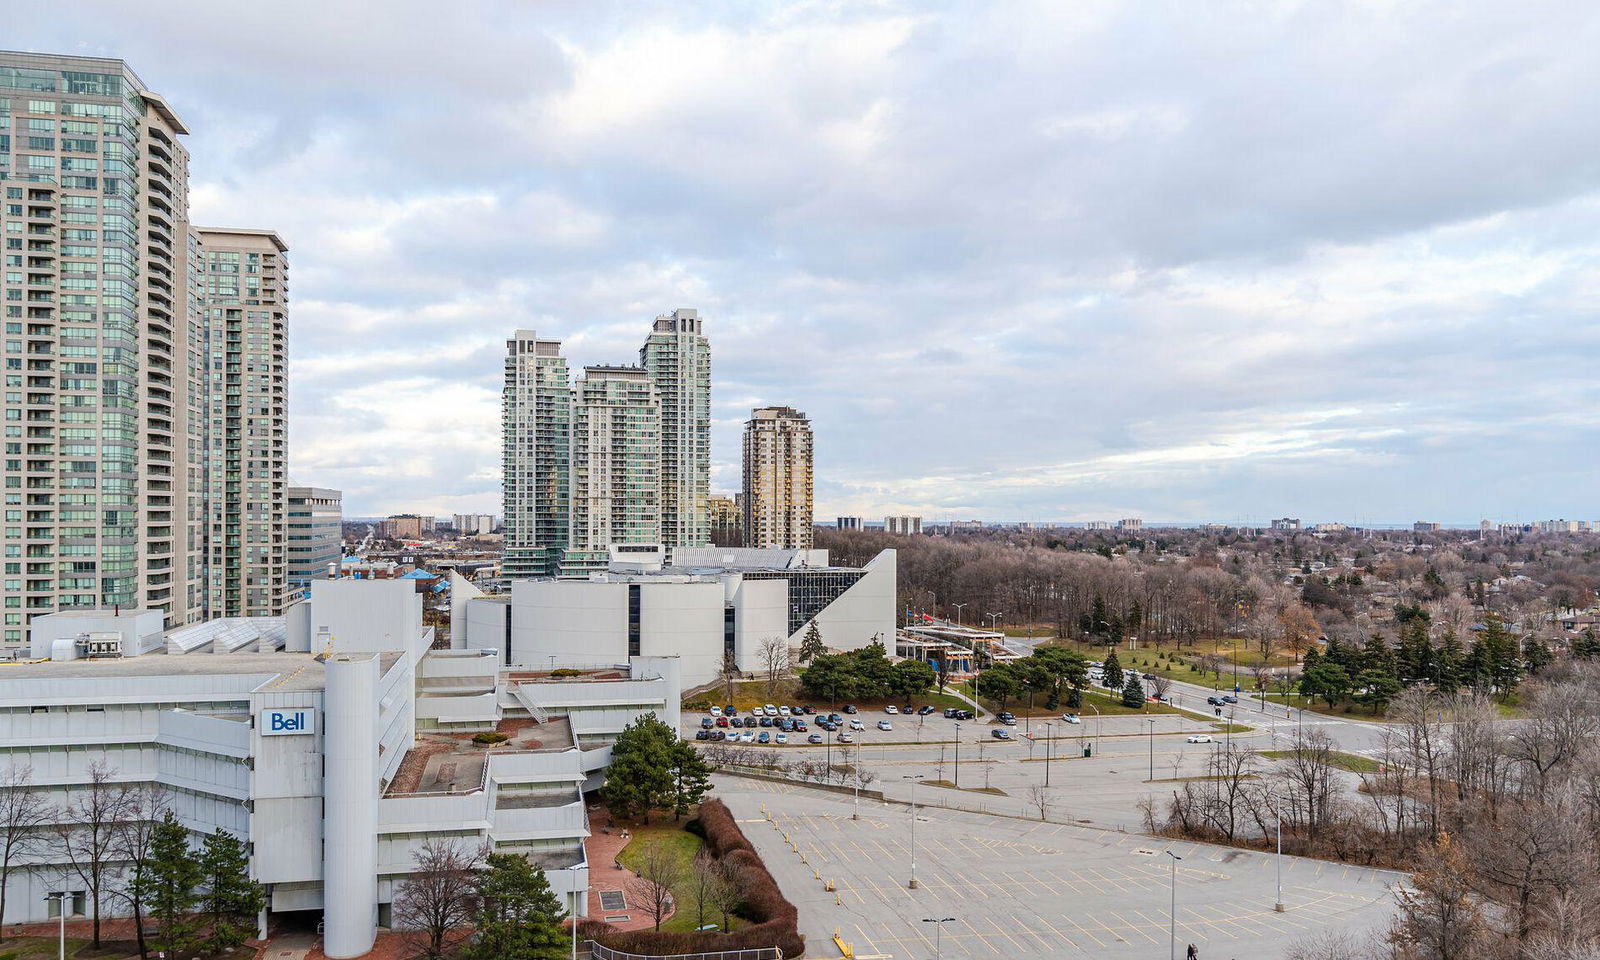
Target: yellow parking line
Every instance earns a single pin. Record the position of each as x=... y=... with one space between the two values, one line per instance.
x=981 y=938
x=1136 y=928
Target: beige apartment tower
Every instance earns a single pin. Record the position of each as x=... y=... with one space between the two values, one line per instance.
x=245 y=296
x=777 y=478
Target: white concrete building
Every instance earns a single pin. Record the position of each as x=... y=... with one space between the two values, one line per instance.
x=706 y=604
x=332 y=739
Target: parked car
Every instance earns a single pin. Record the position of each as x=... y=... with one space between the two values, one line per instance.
x=717 y=736
x=766 y=721
x=781 y=738
x=814 y=738
x=716 y=711
x=891 y=709
x=722 y=721
x=747 y=737
x=783 y=710
x=764 y=738
x=1200 y=738
x=706 y=723
x=1008 y=720
x=1070 y=718
x=856 y=724
x=885 y=725
x=1148 y=676
x=925 y=710
x=702 y=734
x=1229 y=698
x=784 y=723
x=999 y=733
x=808 y=709
x=730 y=711
x=845 y=737
x=772 y=711
x=963 y=715
x=950 y=712
x=799 y=726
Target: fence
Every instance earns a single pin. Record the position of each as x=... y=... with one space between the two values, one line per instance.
x=601 y=952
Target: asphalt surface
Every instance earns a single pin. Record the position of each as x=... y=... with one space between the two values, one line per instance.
x=1018 y=888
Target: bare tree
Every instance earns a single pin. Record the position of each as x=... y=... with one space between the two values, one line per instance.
x=87 y=827
x=440 y=895
x=1039 y=799
x=660 y=870
x=774 y=652
x=724 y=894
x=23 y=812
x=1159 y=685
x=131 y=844
x=728 y=673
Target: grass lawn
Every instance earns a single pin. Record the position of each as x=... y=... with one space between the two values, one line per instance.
x=1344 y=761
x=1109 y=705
x=949 y=785
x=684 y=845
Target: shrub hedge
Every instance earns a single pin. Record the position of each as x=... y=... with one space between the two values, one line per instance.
x=774 y=921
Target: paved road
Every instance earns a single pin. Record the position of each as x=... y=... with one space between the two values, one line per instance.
x=1027 y=889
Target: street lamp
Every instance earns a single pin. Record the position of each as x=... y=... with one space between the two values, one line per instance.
x=938 y=928
x=573 y=876
x=1152 y=722
x=1048 y=740
x=1172 y=911
x=61 y=897
x=958 y=756
x=1278 y=809
x=958 y=607
x=994 y=619
x=914 y=778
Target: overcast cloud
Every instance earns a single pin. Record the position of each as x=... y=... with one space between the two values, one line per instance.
x=1181 y=261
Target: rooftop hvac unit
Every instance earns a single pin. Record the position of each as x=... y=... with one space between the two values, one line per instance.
x=99 y=644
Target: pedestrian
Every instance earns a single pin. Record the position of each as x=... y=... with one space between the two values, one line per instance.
x=1193 y=954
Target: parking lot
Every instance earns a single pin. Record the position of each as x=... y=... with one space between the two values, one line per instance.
x=1019 y=888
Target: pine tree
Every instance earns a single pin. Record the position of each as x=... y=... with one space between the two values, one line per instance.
x=1132 y=691
x=1535 y=654
x=1447 y=663
x=811 y=644
x=167 y=887
x=1586 y=646
x=1113 y=670
x=519 y=917
x=232 y=900
x=640 y=777
x=1416 y=652
x=691 y=778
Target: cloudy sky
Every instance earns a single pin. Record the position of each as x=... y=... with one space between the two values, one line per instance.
x=1184 y=261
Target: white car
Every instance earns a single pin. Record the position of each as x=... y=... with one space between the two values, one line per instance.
x=891 y=709
x=783 y=710
x=1070 y=718
x=856 y=724
x=781 y=738
x=716 y=711
x=749 y=736
x=772 y=711
x=1201 y=738
x=845 y=737
x=885 y=725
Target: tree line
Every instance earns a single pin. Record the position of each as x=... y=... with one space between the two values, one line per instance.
x=124 y=843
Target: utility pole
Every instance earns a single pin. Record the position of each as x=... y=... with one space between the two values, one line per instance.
x=1048 y=741
x=1152 y=722
x=958 y=756
x=913 y=778
x=1278 y=808
x=938 y=928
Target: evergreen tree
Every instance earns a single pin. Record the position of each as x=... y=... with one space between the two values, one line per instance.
x=811 y=644
x=232 y=900
x=1113 y=670
x=1447 y=676
x=1416 y=656
x=1535 y=654
x=1376 y=689
x=1135 y=617
x=1097 y=615
x=1132 y=691
x=519 y=917
x=691 y=777
x=1502 y=656
x=640 y=776
x=167 y=887
x=1586 y=646
x=1325 y=681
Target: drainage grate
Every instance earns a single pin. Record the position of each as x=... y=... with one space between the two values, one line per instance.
x=612 y=900
x=619 y=918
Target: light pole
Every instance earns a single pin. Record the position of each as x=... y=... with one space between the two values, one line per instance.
x=573 y=876
x=1097 y=743
x=1278 y=809
x=1048 y=740
x=913 y=778
x=61 y=898
x=1172 y=911
x=938 y=928
x=1152 y=722
x=856 y=813
x=958 y=756
x=958 y=607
